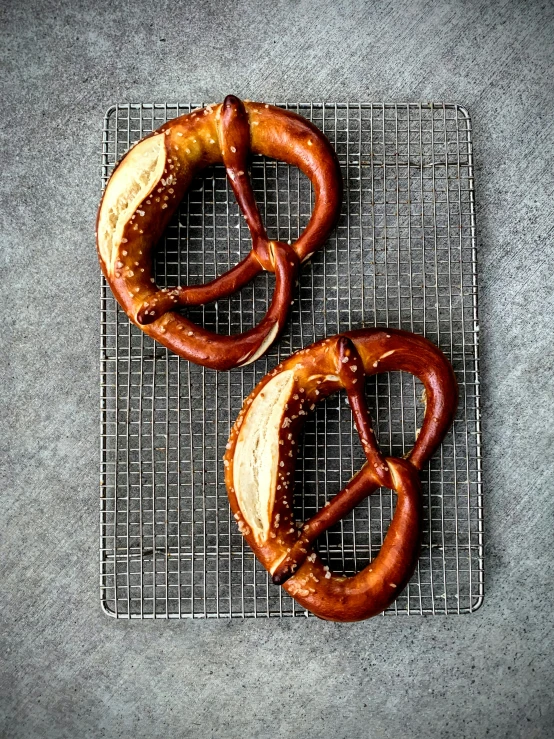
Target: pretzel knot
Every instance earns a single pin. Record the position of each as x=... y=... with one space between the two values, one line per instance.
x=260 y=462
x=146 y=188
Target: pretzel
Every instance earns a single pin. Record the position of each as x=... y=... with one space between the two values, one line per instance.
x=146 y=188
x=260 y=462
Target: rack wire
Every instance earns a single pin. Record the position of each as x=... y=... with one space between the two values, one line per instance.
x=403 y=255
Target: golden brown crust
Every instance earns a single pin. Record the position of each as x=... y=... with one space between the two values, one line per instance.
x=262 y=491
x=145 y=190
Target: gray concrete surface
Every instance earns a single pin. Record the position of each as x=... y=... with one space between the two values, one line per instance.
x=69 y=671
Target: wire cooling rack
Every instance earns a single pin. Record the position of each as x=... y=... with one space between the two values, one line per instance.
x=403 y=255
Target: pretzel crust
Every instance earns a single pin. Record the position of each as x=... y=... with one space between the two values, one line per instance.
x=260 y=462
x=146 y=188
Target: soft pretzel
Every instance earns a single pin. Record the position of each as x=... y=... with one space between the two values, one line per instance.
x=260 y=463
x=145 y=190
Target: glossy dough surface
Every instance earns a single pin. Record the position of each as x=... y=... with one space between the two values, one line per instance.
x=261 y=455
x=146 y=188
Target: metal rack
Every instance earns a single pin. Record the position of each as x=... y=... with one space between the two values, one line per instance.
x=403 y=255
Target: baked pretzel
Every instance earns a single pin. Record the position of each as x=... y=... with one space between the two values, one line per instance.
x=260 y=462
x=146 y=188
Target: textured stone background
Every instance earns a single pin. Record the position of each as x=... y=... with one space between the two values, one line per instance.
x=69 y=671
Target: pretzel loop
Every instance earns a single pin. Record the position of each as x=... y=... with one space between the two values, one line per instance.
x=146 y=188
x=260 y=458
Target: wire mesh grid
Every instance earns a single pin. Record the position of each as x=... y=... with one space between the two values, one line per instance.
x=403 y=255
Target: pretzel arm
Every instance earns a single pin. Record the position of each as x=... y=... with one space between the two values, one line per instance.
x=234 y=134
x=340 y=598
x=181 y=297
x=352 y=375
x=360 y=486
